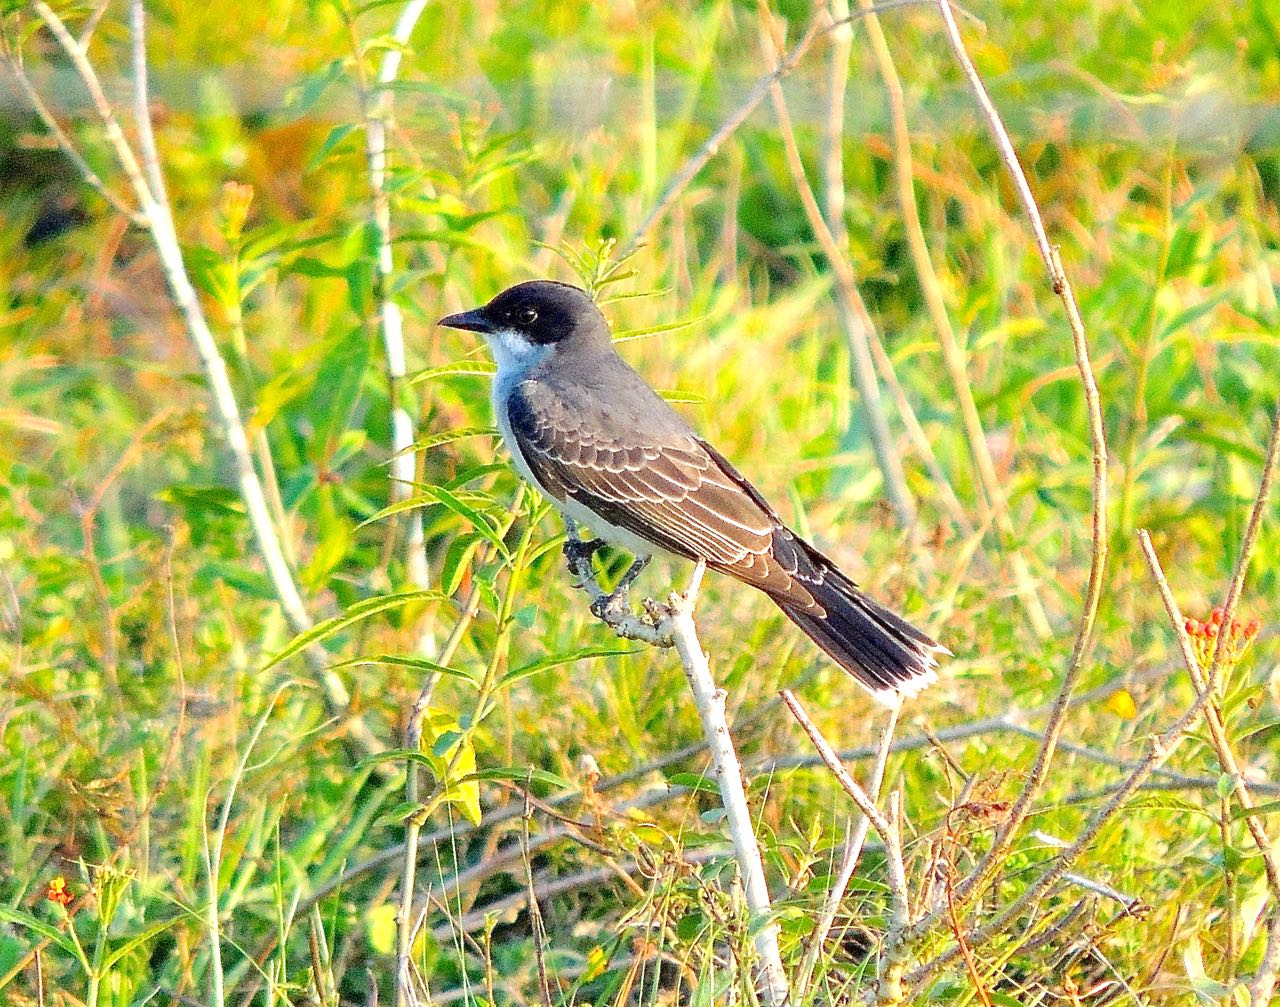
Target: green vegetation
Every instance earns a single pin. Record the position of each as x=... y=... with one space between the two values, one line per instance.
x=191 y=812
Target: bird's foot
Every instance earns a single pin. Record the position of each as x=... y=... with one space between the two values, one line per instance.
x=579 y=551
x=614 y=607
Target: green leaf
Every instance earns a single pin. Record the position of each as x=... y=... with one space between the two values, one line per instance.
x=445 y=742
x=211 y=272
x=141 y=937
x=398 y=755
x=299 y=101
x=1193 y=313
x=518 y=774
x=1269 y=808
x=335 y=137
x=484 y=367
x=413 y=663
x=694 y=781
x=457 y=561
x=449 y=436
x=359 y=611
x=556 y=660
x=46 y=930
x=627 y=335
x=439 y=495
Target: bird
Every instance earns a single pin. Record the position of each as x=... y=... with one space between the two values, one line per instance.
x=590 y=434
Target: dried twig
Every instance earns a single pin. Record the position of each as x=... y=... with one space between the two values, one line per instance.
x=889 y=979
x=1097 y=436
x=854 y=844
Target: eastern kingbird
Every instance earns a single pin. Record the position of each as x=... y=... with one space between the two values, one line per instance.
x=597 y=441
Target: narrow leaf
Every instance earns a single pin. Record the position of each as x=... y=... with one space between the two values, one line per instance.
x=556 y=660
x=357 y=612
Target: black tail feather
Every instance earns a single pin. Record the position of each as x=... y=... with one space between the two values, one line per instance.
x=883 y=651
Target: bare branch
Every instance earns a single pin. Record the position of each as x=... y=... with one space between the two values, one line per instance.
x=672 y=625
x=889 y=981
x=854 y=843
x=1097 y=436
x=953 y=356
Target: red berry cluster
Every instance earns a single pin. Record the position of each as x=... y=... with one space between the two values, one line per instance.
x=1236 y=637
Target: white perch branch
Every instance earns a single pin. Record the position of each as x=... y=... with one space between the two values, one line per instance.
x=672 y=625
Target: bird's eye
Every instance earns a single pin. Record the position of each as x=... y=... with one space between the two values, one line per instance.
x=527 y=316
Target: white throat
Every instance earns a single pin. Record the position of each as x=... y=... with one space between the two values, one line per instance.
x=514 y=355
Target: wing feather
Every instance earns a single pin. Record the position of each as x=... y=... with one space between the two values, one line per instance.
x=670 y=490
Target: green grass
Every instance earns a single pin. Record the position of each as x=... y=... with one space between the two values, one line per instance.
x=137 y=624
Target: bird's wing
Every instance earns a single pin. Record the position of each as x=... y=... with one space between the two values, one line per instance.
x=665 y=486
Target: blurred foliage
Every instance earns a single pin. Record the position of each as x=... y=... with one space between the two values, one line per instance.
x=136 y=622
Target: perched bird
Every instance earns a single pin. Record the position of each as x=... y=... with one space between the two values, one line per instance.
x=593 y=438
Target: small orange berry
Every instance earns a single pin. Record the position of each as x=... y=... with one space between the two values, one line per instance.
x=1251 y=630
x=1191 y=626
x=58 y=891
x=1215 y=616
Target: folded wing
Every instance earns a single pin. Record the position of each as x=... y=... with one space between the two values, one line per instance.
x=669 y=488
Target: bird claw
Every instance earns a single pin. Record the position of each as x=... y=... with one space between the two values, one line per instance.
x=612 y=608
x=578 y=551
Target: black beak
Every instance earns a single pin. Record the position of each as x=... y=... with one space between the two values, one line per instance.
x=473 y=321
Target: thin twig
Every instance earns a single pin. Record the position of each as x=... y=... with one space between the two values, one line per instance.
x=889 y=980
x=849 y=861
x=535 y=914
x=1097 y=436
x=953 y=356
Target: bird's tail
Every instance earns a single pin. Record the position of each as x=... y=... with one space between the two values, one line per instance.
x=884 y=652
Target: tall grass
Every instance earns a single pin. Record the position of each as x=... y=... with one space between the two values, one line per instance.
x=223 y=840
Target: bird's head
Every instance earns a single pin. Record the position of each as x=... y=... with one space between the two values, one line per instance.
x=531 y=318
